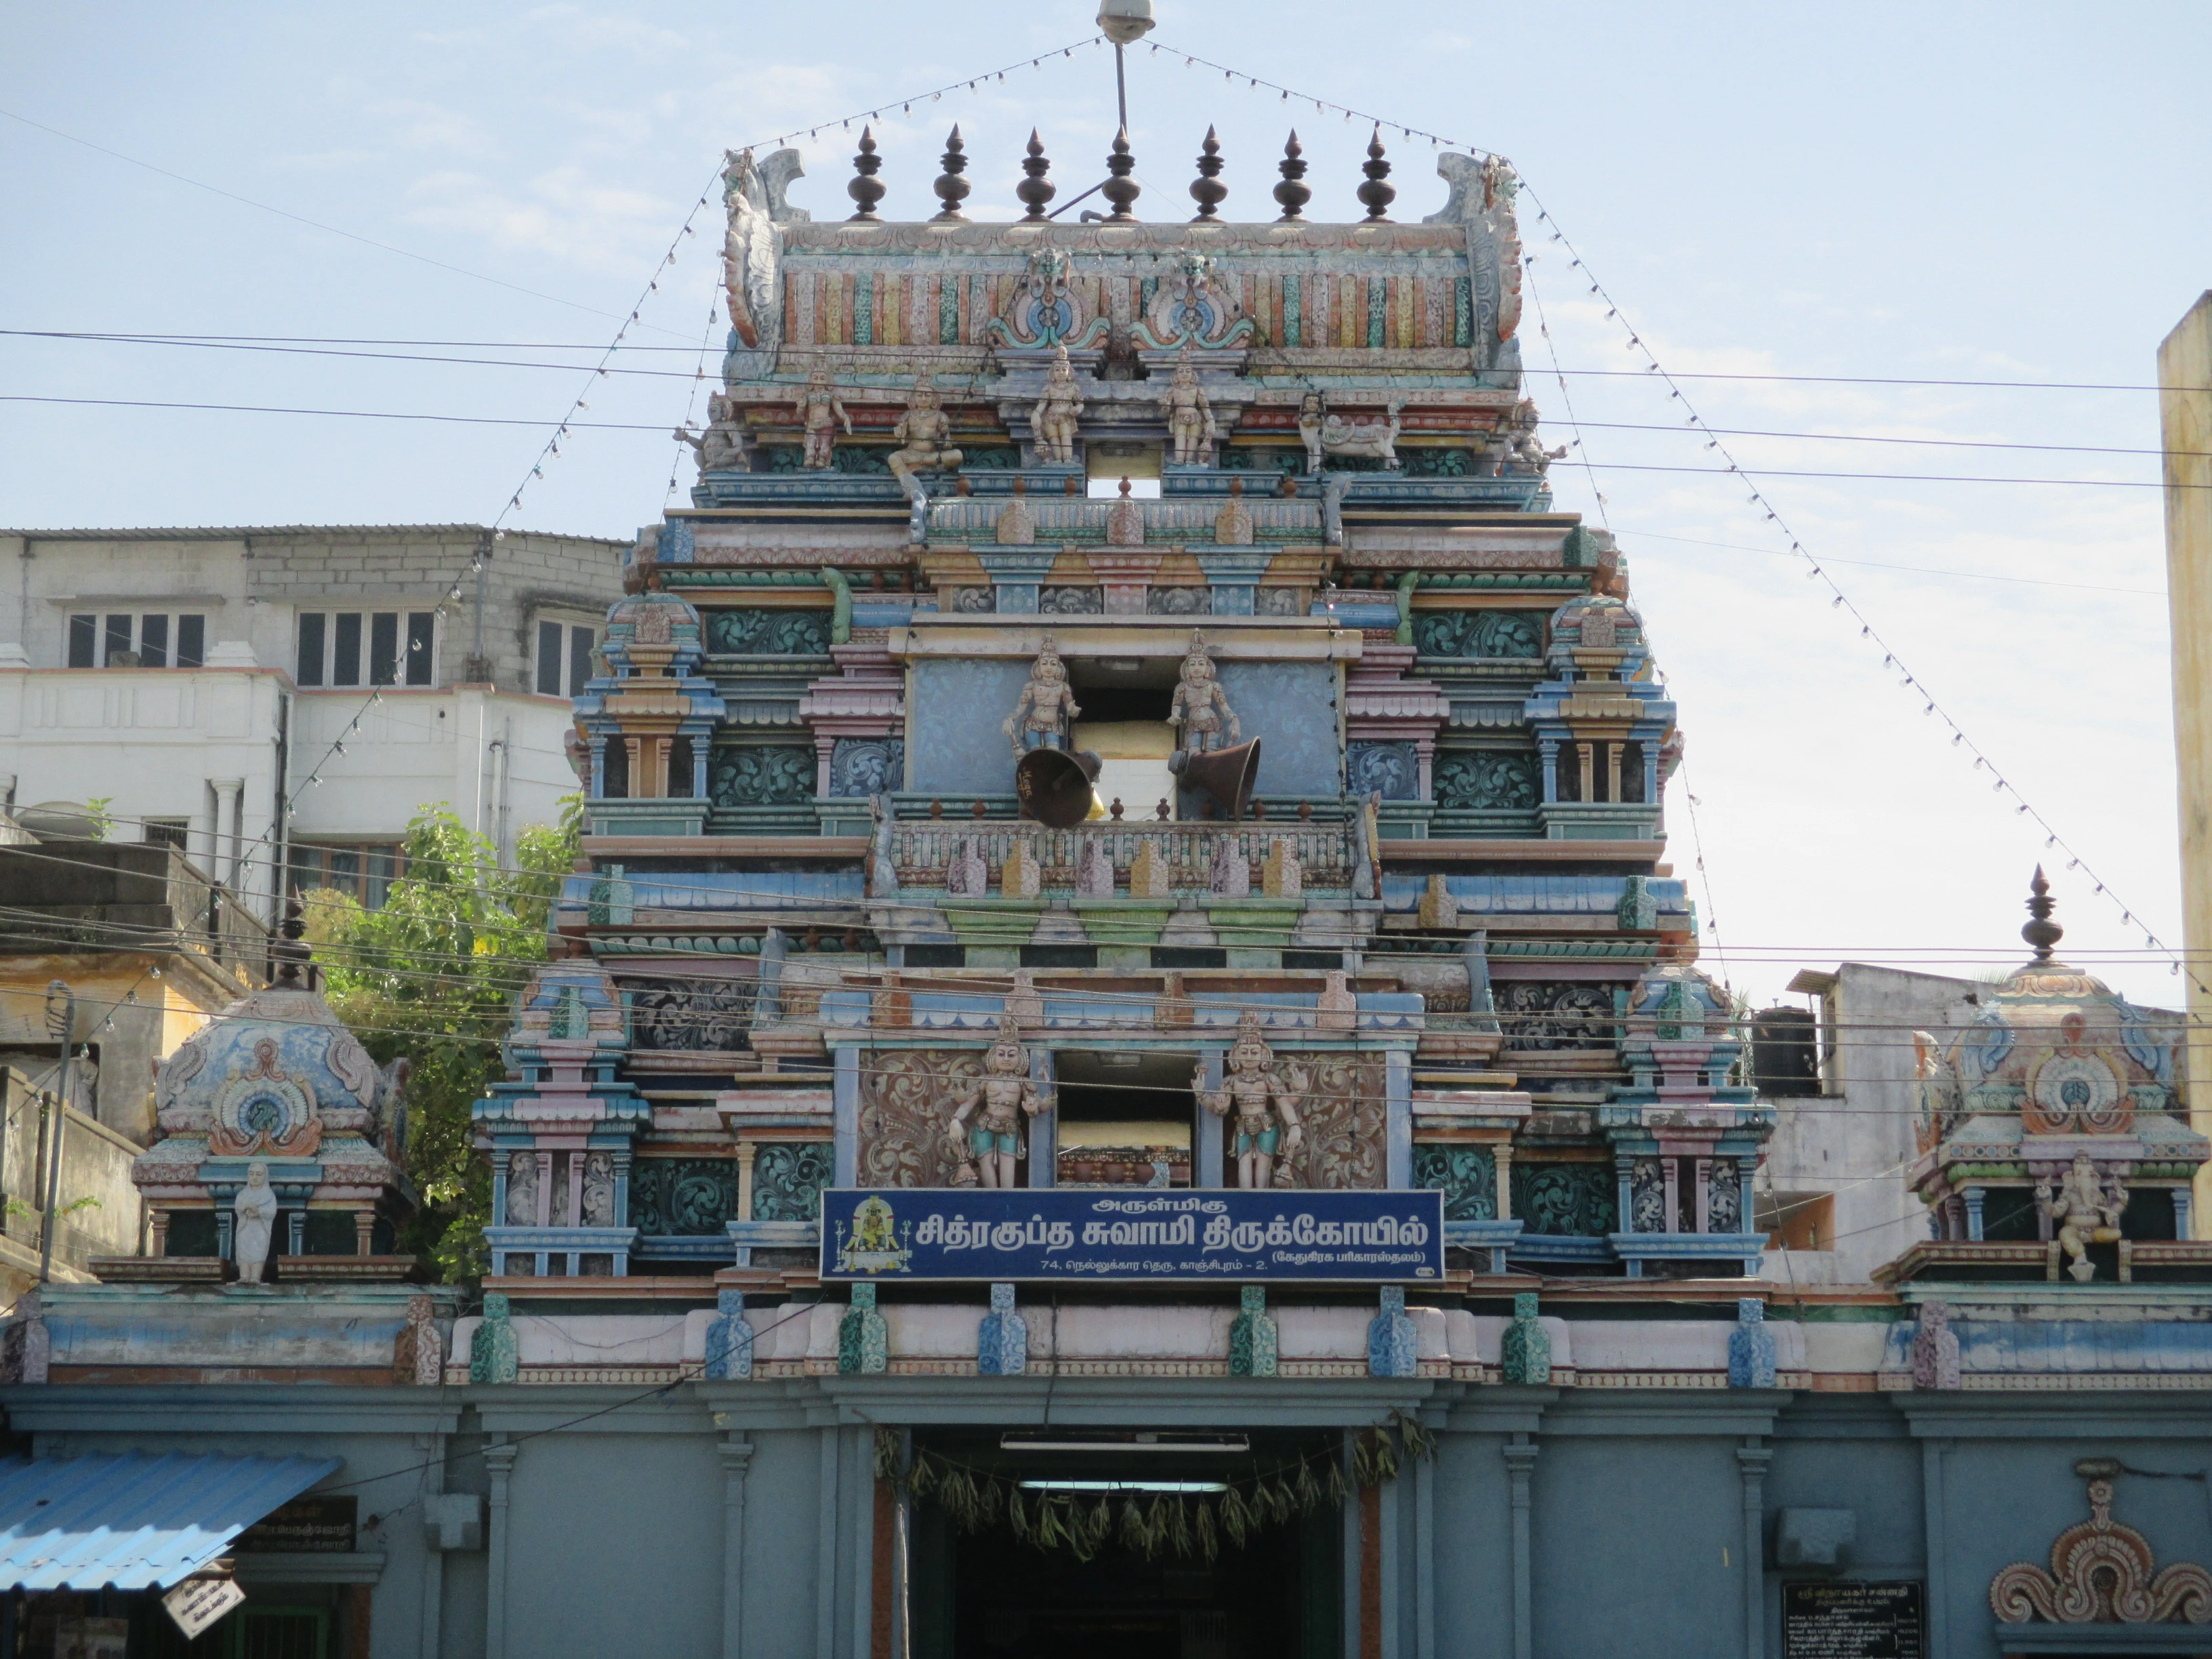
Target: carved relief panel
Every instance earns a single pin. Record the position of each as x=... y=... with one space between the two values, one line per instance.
x=906 y=1098
x=1343 y=1111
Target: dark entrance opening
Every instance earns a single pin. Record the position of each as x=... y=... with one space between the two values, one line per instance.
x=1126 y=1118
x=987 y=1595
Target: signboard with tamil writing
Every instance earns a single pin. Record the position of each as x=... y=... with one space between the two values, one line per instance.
x=898 y=1233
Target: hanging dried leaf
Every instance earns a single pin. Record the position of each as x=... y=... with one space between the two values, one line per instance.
x=1209 y=1541
x=1418 y=1442
x=1235 y=1519
x=887 y=1454
x=1018 y=1517
x=924 y=1479
x=1363 y=1461
x=1334 y=1479
x=1179 y=1533
x=995 y=1498
x=1133 y=1526
x=1386 y=1458
x=1308 y=1489
x=1102 y=1524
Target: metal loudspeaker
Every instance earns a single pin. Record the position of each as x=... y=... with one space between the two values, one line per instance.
x=1224 y=774
x=1054 y=786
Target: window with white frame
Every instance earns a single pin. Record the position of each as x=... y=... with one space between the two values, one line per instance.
x=367 y=648
x=564 y=657
x=136 y=638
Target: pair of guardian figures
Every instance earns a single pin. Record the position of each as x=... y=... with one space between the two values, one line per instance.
x=1046 y=708
x=989 y=1114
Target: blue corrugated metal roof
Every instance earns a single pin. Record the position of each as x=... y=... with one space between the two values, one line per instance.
x=134 y=1522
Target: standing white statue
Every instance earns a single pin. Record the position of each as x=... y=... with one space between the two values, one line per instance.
x=253 y=1224
x=1053 y=417
x=1190 y=416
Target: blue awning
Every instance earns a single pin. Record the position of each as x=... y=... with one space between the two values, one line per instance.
x=132 y=1521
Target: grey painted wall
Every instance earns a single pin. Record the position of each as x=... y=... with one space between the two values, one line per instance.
x=1291 y=708
x=959 y=712
x=615 y=1535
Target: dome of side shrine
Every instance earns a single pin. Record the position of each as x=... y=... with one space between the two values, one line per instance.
x=2060 y=1048
x=276 y=1073
x=648 y=632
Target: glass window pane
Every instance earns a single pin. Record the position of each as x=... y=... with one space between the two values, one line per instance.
x=345 y=648
x=422 y=639
x=549 y=659
x=345 y=870
x=310 y=672
x=84 y=633
x=118 y=639
x=384 y=649
x=381 y=863
x=580 y=660
x=152 y=640
x=191 y=640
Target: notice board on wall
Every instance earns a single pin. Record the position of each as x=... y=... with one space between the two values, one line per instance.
x=1849 y=1620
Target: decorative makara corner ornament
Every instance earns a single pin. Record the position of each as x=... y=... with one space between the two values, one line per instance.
x=1058 y=409
x=990 y=1148
x=1325 y=434
x=924 y=434
x=2102 y=1573
x=1045 y=709
x=1200 y=710
x=1263 y=1111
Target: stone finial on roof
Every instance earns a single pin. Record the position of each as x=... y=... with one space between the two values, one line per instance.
x=2041 y=933
x=291 y=962
x=866 y=189
x=1375 y=194
x=1119 y=188
x=1207 y=190
x=1291 y=192
x=951 y=189
x=1035 y=189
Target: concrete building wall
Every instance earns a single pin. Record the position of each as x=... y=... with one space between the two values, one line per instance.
x=2184 y=378
x=226 y=748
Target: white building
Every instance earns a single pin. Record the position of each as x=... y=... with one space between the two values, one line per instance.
x=189 y=683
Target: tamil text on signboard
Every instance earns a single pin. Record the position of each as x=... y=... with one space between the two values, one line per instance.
x=1078 y=1233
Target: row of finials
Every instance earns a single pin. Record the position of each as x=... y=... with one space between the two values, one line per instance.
x=1120 y=189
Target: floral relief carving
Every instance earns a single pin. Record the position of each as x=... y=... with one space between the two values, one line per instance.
x=1572 y=1200
x=775 y=776
x=768 y=632
x=2102 y=1573
x=1547 y=1014
x=1466 y=1176
x=690 y=1015
x=904 y=1099
x=789 y=1177
x=1342 y=1113
x=682 y=1197
x=1478 y=633
x=1486 y=779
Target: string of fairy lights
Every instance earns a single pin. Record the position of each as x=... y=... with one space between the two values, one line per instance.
x=1909 y=680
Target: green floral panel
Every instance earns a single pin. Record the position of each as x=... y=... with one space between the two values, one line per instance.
x=693 y=1197
x=768 y=632
x=1480 y=632
x=1574 y=1200
x=777 y=776
x=1486 y=780
x=787 y=1180
x=1466 y=1176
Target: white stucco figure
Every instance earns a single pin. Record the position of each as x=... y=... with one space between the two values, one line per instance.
x=253 y=1213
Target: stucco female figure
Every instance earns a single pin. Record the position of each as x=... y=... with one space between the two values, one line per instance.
x=990 y=1147
x=1053 y=419
x=253 y=1224
x=1263 y=1112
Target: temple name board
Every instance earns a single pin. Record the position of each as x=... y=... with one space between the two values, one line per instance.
x=1131 y=1233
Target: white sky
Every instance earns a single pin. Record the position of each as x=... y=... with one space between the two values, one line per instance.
x=2004 y=192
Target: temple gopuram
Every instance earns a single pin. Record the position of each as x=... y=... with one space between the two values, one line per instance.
x=1125 y=1069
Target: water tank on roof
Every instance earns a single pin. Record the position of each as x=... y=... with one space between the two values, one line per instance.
x=1785 y=1053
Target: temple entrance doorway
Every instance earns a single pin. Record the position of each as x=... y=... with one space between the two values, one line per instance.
x=988 y=1595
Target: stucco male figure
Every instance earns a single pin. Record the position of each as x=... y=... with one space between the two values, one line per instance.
x=721 y=446
x=924 y=438
x=986 y=1126
x=1046 y=707
x=1058 y=410
x=253 y=1224
x=1191 y=431
x=2088 y=1211
x=822 y=416
x=1200 y=710
x=1262 y=1111
x=1525 y=453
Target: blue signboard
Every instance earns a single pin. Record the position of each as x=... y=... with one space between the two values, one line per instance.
x=894 y=1233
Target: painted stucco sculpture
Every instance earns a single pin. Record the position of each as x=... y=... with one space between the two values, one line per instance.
x=1261 y=1108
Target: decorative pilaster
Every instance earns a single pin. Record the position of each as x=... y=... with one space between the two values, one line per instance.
x=1525 y=1350
x=1752 y=1458
x=736 y=1456
x=1520 y=1463
x=729 y=1339
x=1253 y=1341
x=1002 y=1340
x=499 y=1463
x=1392 y=1350
x=493 y=1356
x=1750 y=1346
x=864 y=1341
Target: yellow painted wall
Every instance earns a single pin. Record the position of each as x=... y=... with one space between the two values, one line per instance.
x=2184 y=378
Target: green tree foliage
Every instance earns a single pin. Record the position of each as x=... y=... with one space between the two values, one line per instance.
x=433 y=974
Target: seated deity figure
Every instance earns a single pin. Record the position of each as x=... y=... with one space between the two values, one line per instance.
x=925 y=436
x=1524 y=453
x=1200 y=710
x=1190 y=417
x=1046 y=707
x=823 y=417
x=721 y=446
x=989 y=1147
x=1053 y=417
x=1263 y=1112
